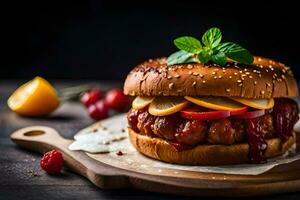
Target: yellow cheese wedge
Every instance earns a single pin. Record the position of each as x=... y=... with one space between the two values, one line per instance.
x=162 y=106
x=215 y=103
x=141 y=102
x=256 y=103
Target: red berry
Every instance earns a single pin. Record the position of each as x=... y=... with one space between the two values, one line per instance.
x=116 y=99
x=91 y=97
x=52 y=162
x=98 y=110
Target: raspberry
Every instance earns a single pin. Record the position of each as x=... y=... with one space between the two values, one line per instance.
x=52 y=162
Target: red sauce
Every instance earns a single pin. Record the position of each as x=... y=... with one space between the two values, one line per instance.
x=285 y=115
x=257 y=144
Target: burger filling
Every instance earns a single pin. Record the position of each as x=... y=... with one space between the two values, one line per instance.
x=184 y=132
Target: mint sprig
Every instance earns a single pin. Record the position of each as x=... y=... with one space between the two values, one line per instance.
x=211 y=49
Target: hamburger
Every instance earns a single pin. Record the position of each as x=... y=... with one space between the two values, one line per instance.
x=208 y=113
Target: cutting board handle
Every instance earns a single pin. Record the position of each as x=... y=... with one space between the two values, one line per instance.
x=43 y=139
x=39 y=138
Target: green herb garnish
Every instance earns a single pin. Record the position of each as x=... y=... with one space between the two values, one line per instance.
x=211 y=49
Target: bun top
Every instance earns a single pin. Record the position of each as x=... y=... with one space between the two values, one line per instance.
x=265 y=78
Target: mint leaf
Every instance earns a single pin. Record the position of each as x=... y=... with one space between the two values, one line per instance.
x=219 y=58
x=179 y=57
x=212 y=37
x=189 y=44
x=191 y=50
x=204 y=56
x=236 y=52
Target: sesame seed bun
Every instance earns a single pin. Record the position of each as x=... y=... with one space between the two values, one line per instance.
x=265 y=78
x=204 y=154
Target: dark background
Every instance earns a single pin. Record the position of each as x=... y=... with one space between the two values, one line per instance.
x=92 y=39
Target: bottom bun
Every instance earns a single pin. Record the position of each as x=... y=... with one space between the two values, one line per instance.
x=204 y=154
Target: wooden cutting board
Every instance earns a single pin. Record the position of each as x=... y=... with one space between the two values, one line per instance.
x=281 y=179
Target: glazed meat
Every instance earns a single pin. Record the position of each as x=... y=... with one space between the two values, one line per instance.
x=145 y=123
x=221 y=132
x=191 y=132
x=132 y=118
x=239 y=127
x=165 y=127
x=266 y=126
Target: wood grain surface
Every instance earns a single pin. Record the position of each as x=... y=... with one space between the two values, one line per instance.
x=283 y=178
x=21 y=177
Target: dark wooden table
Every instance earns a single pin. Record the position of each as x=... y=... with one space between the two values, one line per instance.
x=20 y=174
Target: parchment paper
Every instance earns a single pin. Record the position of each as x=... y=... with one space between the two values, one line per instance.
x=92 y=141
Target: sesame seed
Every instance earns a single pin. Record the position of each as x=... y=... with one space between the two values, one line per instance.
x=241 y=71
x=254 y=70
x=245 y=69
x=267 y=70
x=195 y=74
x=230 y=76
x=150 y=60
x=177 y=76
x=250 y=76
x=179 y=90
x=247 y=73
x=227 y=90
x=169 y=77
x=262 y=92
x=220 y=77
x=283 y=70
x=213 y=72
x=259 y=59
x=171 y=85
x=194 y=83
x=268 y=84
x=203 y=81
x=261 y=66
x=259 y=75
x=255 y=82
x=240 y=85
x=283 y=76
x=201 y=75
x=239 y=81
x=190 y=72
x=223 y=68
x=189 y=66
x=215 y=77
x=235 y=73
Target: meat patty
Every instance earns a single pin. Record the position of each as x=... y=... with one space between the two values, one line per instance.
x=266 y=126
x=221 y=132
x=132 y=118
x=191 y=132
x=165 y=127
x=145 y=123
